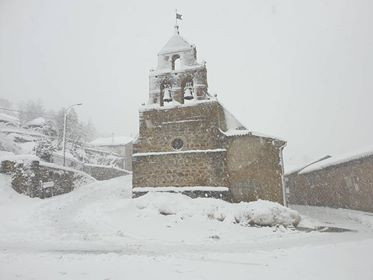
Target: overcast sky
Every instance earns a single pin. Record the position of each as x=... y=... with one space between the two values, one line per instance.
x=298 y=70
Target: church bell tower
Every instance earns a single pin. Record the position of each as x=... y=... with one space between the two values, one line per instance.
x=178 y=76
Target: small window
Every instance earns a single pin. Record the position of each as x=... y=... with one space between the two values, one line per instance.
x=177 y=144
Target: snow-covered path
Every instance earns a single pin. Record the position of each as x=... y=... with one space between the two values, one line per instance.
x=98 y=232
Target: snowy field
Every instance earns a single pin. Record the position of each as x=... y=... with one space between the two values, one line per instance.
x=99 y=232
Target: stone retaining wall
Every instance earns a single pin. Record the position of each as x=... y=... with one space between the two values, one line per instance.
x=104 y=172
x=37 y=180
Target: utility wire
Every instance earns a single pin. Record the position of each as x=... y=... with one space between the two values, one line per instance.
x=20 y=111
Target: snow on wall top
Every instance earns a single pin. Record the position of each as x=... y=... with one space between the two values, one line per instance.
x=22 y=131
x=60 y=167
x=112 y=141
x=40 y=121
x=180 y=189
x=241 y=132
x=18 y=158
x=7 y=118
x=234 y=126
x=174 y=104
x=339 y=159
x=175 y=44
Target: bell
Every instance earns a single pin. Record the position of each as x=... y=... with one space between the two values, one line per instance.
x=167 y=95
x=188 y=95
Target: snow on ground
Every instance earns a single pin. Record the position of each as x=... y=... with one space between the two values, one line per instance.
x=99 y=232
x=324 y=216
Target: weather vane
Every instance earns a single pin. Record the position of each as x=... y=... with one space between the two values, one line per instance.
x=178 y=16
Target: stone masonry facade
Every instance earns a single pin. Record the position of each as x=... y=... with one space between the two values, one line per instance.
x=200 y=162
x=248 y=165
x=345 y=185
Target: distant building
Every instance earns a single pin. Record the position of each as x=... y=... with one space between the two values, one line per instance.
x=188 y=142
x=40 y=124
x=344 y=181
x=118 y=145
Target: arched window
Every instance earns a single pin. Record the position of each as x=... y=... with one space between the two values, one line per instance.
x=176 y=63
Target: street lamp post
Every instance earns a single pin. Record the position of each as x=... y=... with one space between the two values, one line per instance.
x=65 y=113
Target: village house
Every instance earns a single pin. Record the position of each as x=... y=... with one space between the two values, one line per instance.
x=189 y=143
x=120 y=146
x=344 y=181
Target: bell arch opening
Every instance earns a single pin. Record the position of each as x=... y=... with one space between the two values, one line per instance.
x=166 y=95
x=176 y=62
x=187 y=88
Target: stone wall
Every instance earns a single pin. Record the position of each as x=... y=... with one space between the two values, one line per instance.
x=128 y=156
x=255 y=168
x=180 y=169
x=34 y=179
x=198 y=128
x=346 y=185
x=102 y=172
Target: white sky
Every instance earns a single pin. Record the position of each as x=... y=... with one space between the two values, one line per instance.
x=300 y=70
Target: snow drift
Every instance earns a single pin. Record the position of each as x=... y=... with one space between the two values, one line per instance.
x=259 y=213
x=104 y=212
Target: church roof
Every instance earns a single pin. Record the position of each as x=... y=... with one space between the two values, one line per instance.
x=175 y=44
x=111 y=141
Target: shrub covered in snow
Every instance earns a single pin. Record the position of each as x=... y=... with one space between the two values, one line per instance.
x=7 y=144
x=256 y=213
x=45 y=149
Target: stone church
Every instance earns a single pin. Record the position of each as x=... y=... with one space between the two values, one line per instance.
x=189 y=143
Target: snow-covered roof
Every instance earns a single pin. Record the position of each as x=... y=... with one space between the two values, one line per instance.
x=231 y=121
x=175 y=44
x=22 y=131
x=236 y=128
x=112 y=141
x=40 y=121
x=241 y=132
x=339 y=159
x=8 y=118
